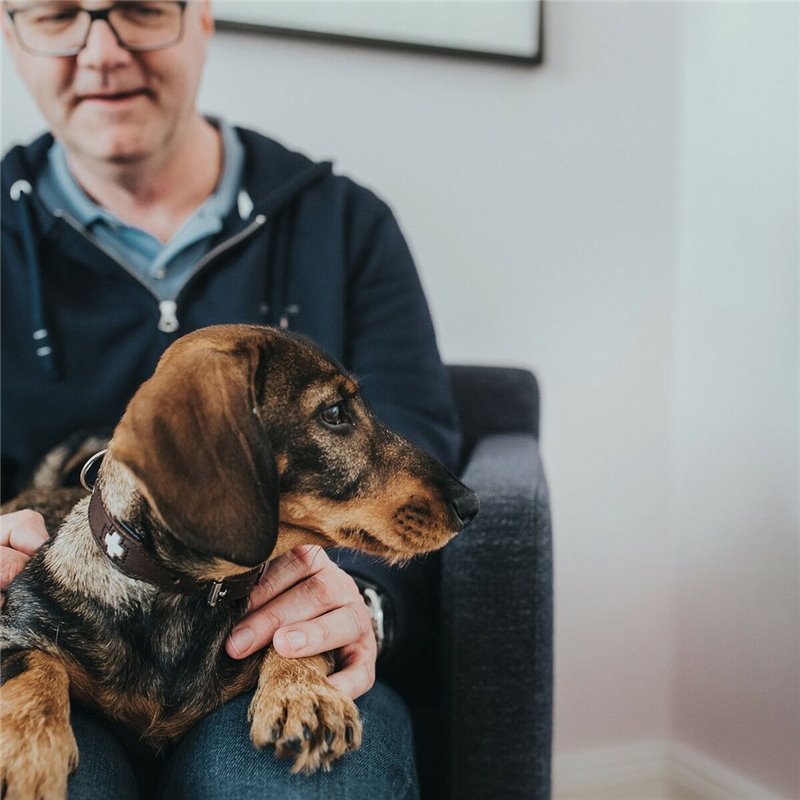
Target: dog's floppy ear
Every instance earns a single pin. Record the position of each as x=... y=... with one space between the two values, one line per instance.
x=199 y=452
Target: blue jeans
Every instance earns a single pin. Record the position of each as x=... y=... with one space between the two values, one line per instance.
x=217 y=761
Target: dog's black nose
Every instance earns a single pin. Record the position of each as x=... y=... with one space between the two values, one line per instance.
x=465 y=505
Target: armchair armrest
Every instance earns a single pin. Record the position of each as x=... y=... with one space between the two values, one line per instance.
x=497 y=618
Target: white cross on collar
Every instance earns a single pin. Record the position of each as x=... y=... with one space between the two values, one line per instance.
x=114 y=545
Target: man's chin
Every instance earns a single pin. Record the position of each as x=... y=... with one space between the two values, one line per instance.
x=117 y=156
x=125 y=158
x=118 y=150
x=101 y=134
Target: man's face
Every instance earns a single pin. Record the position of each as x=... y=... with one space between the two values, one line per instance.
x=109 y=104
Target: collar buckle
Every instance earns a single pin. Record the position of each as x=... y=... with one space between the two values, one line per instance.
x=217 y=591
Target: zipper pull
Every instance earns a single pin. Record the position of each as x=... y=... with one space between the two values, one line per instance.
x=169 y=321
x=288 y=312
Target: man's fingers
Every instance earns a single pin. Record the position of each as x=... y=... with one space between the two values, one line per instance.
x=338 y=628
x=285 y=571
x=357 y=676
x=318 y=594
x=11 y=564
x=23 y=530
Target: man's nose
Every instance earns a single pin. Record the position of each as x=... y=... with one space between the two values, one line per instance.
x=102 y=49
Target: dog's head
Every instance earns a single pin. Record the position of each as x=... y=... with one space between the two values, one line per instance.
x=245 y=434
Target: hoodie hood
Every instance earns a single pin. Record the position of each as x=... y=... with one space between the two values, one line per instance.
x=273 y=182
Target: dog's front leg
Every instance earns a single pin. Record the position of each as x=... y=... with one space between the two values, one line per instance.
x=304 y=716
x=37 y=747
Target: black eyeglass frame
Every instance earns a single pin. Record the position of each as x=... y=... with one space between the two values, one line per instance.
x=101 y=14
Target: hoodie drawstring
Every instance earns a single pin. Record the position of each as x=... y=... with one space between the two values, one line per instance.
x=20 y=193
x=279 y=291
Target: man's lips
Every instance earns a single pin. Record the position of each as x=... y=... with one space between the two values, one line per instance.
x=113 y=97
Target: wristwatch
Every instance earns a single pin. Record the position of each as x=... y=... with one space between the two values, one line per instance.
x=378 y=605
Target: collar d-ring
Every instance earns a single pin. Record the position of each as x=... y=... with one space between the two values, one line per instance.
x=87 y=466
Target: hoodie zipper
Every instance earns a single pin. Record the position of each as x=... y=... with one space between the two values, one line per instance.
x=168 y=309
x=221 y=248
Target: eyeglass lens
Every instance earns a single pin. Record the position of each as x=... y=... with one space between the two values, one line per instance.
x=60 y=28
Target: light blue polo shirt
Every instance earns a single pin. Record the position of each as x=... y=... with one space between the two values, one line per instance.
x=164 y=268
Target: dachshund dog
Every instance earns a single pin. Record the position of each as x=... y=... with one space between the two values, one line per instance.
x=246 y=442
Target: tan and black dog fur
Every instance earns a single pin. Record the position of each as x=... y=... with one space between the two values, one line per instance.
x=245 y=443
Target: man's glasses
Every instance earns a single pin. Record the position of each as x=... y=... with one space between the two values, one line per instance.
x=62 y=28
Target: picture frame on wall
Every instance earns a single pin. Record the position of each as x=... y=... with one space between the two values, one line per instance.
x=504 y=30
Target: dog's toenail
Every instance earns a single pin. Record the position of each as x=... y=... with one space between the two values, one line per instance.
x=277 y=731
x=348 y=735
x=306 y=732
x=329 y=736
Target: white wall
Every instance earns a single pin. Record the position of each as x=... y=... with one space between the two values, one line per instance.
x=736 y=403
x=558 y=216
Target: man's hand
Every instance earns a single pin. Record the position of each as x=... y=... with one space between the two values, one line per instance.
x=305 y=605
x=22 y=533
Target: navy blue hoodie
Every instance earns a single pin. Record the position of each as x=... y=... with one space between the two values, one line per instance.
x=315 y=249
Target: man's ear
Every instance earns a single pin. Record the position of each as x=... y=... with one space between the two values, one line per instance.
x=5 y=24
x=207 y=17
x=200 y=454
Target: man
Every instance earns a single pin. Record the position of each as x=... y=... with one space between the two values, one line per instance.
x=137 y=220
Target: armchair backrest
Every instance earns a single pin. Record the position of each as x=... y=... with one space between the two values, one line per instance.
x=494 y=400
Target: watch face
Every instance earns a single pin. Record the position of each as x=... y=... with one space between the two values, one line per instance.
x=375 y=602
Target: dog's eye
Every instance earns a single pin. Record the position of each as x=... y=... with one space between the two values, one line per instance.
x=334 y=416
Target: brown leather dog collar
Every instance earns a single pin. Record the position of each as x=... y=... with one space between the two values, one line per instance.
x=123 y=546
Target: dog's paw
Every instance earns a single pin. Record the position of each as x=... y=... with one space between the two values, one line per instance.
x=312 y=722
x=35 y=759
x=37 y=747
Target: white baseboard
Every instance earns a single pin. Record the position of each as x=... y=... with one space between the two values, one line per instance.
x=637 y=771
x=700 y=775
x=651 y=770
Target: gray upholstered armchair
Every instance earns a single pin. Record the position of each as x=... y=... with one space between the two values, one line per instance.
x=496 y=603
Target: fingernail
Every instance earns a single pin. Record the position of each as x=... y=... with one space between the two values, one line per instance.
x=296 y=639
x=241 y=639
